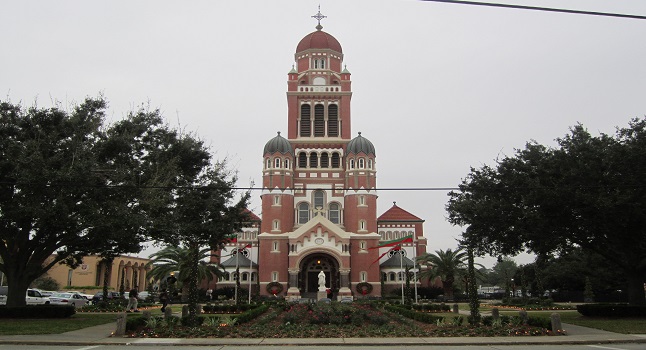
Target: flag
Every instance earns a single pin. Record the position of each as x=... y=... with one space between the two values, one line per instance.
x=394 y=242
x=393 y=249
x=240 y=250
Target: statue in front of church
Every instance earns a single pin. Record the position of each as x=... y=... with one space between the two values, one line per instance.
x=321 y=281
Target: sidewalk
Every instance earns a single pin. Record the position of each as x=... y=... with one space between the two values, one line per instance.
x=101 y=335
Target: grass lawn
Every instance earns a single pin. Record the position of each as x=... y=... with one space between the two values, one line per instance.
x=54 y=326
x=633 y=325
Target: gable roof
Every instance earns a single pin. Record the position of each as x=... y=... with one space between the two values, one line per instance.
x=396 y=213
x=243 y=261
x=397 y=262
x=252 y=216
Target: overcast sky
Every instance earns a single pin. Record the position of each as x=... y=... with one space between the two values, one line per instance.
x=438 y=88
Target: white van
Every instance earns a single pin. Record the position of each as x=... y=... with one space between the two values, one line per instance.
x=32 y=297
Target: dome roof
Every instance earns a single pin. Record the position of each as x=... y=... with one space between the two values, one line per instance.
x=360 y=144
x=278 y=144
x=319 y=40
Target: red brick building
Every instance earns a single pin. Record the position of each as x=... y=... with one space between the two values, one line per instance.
x=319 y=197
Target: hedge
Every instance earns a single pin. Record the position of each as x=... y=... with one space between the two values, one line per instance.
x=612 y=310
x=417 y=316
x=37 y=311
x=432 y=307
x=252 y=314
x=223 y=309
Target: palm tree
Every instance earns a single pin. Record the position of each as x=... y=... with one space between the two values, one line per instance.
x=448 y=265
x=178 y=259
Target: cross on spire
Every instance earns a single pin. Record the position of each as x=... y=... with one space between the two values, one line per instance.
x=319 y=16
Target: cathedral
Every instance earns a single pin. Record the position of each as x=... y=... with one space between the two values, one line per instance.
x=319 y=197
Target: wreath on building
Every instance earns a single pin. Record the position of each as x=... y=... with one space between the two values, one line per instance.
x=274 y=288
x=364 y=288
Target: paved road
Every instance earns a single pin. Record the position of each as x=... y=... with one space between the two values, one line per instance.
x=310 y=347
x=99 y=337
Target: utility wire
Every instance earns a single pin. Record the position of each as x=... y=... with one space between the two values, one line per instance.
x=537 y=8
x=251 y=188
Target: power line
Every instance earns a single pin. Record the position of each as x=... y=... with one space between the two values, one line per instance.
x=76 y=185
x=538 y=8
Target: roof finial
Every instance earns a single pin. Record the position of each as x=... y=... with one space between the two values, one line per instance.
x=319 y=16
x=394 y=204
x=279 y=133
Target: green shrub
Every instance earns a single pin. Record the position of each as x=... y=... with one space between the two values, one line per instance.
x=252 y=314
x=417 y=316
x=192 y=321
x=37 y=311
x=612 y=310
x=542 y=322
x=135 y=323
x=432 y=307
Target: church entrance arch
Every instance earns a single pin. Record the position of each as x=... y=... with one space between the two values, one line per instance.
x=310 y=268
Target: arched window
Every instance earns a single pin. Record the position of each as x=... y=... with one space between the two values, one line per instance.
x=369 y=163
x=361 y=163
x=277 y=163
x=314 y=160
x=268 y=165
x=303 y=213
x=319 y=199
x=275 y=246
x=391 y=276
x=336 y=160
x=286 y=163
x=306 y=124
x=325 y=160
x=351 y=163
x=275 y=225
x=319 y=120
x=362 y=225
x=227 y=277
x=253 y=277
x=364 y=276
x=302 y=160
x=245 y=276
x=334 y=213
x=333 y=120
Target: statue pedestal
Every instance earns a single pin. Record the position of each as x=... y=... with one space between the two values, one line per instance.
x=320 y=295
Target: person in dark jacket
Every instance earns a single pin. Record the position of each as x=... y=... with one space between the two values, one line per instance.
x=132 y=300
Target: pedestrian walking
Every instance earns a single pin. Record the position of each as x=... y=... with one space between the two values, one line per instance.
x=132 y=300
x=163 y=299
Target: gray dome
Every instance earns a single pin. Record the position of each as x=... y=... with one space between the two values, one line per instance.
x=278 y=144
x=361 y=144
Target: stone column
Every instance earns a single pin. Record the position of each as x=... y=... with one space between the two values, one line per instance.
x=293 y=292
x=344 y=280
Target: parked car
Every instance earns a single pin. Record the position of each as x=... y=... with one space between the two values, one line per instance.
x=74 y=299
x=99 y=296
x=143 y=295
x=32 y=297
x=46 y=293
x=86 y=296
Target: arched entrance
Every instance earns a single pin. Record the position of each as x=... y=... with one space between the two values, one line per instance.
x=311 y=266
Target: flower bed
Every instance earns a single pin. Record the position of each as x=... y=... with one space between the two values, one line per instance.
x=332 y=320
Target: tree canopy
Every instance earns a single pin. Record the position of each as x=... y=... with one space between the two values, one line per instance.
x=449 y=265
x=587 y=192
x=71 y=185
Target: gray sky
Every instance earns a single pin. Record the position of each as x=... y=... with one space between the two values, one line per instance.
x=438 y=88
